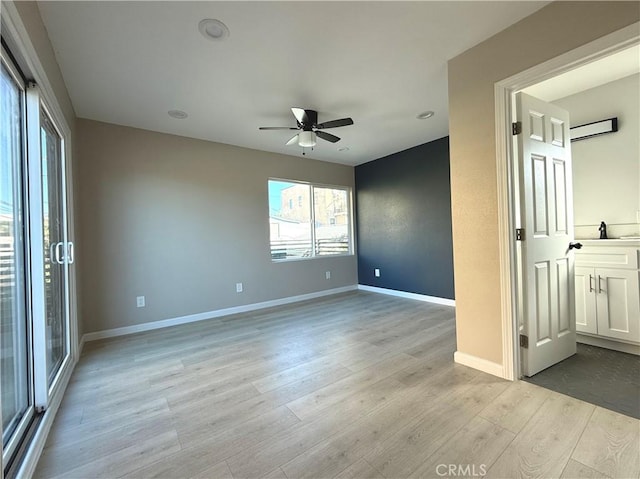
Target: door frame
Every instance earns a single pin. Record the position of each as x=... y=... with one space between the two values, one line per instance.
x=508 y=190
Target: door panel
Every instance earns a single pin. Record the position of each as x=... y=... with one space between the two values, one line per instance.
x=540 y=207
x=618 y=312
x=564 y=308
x=544 y=157
x=54 y=242
x=560 y=200
x=585 y=300
x=15 y=372
x=543 y=303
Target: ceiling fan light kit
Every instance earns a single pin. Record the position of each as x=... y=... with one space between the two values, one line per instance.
x=307 y=139
x=310 y=129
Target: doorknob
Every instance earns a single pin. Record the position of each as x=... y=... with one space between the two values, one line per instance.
x=575 y=245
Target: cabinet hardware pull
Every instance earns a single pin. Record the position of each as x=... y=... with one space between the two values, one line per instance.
x=591 y=290
x=600 y=290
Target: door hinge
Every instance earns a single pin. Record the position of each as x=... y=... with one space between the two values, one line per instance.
x=524 y=341
x=519 y=234
x=516 y=128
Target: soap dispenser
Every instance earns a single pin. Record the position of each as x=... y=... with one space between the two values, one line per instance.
x=603 y=230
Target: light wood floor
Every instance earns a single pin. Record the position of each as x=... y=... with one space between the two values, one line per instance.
x=358 y=385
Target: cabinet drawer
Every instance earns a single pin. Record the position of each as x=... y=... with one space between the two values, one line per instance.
x=609 y=257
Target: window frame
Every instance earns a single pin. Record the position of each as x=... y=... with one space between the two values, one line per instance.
x=312 y=221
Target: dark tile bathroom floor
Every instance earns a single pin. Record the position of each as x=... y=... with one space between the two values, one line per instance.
x=607 y=378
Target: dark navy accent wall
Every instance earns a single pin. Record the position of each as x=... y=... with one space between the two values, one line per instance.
x=403 y=208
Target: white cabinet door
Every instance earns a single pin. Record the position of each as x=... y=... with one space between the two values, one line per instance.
x=618 y=303
x=585 y=300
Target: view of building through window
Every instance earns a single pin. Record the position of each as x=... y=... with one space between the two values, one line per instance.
x=307 y=220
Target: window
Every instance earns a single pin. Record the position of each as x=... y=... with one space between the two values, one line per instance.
x=319 y=226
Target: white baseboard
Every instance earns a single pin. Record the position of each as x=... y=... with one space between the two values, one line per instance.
x=404 y=294
x=83 y=340
x=480 y=364
x=191 y=318
x=608 y=344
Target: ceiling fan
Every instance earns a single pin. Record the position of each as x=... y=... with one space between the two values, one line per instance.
x=307 y=121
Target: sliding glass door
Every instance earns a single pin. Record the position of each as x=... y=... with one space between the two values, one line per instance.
x=35 y=258
x=55 y=247
x=15 y=353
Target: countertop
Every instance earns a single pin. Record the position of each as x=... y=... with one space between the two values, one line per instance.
x=610 y=242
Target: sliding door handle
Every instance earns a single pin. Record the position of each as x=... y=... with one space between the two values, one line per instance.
x=59 y=257
x=71 y=255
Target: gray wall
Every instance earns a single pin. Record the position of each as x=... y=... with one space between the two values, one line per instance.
x=404 y=221
x=180 y=221
x=606 y=169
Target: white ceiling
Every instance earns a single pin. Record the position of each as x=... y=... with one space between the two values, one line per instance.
x=380 y=63
x=608 y=69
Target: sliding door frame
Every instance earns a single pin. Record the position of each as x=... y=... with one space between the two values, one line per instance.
x=23 y=259
x=19 y=43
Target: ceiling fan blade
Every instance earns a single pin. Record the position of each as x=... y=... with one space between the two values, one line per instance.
x=327 y=136
x=336 y=123
x=301 y=115
x=292 y=141
x=277 y=128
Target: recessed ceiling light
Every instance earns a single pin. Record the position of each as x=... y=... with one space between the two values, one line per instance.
x=425 y=114
x=213 y=29
x=178 y=114
x=343 y=148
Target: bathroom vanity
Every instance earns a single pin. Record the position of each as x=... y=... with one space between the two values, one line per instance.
x=607 y=286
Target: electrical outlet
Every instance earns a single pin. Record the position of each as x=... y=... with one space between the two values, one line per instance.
x=239 y=288
x=376 y=272
x=327 y=275
x=140 y=302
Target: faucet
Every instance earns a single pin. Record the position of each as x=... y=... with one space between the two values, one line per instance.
x=603 y=230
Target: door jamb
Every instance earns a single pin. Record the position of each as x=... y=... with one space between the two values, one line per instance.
x=508 y=217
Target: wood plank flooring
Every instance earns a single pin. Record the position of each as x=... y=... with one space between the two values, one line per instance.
x=357 y=385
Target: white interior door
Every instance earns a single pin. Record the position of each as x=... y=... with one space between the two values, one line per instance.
x=546 y=197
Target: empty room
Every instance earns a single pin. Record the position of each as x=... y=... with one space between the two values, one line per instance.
x=333 y=239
